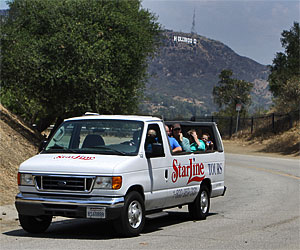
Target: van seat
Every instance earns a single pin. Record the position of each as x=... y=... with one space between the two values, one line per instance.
x=92 y=141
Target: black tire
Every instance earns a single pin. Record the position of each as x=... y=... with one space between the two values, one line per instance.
x=35 y=224
x=132 y=219
x=199 y=209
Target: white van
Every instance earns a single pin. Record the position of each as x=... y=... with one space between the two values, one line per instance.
x=101 y=167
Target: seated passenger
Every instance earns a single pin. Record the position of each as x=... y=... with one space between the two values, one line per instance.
x=173 y=142
x=209 y=145
x=183 y=141
x=195 y=143
x=150 y=139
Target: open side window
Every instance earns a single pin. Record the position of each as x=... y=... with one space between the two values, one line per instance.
x=153 y=143
x=201 y=128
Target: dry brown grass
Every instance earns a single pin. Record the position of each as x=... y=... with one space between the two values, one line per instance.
x=283 y=144
x=18 y=142
x=287 y=143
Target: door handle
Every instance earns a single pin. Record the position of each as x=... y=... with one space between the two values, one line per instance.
x=166 y=174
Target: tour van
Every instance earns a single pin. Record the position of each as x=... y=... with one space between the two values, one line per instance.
x=100 y=167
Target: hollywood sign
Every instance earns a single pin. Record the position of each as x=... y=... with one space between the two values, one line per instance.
x=185 y=39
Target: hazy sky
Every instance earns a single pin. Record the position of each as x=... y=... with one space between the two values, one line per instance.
x=251 y=28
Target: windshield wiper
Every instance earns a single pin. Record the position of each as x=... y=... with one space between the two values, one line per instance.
x=58 y=148
x=112 y=149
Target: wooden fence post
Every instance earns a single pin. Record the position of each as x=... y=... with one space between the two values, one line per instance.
x=273 y=123
x=230 y=127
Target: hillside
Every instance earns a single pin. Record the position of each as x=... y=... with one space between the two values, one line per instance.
x=186 y=69
x=17 y=143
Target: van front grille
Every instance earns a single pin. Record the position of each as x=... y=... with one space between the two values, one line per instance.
x=64 y=183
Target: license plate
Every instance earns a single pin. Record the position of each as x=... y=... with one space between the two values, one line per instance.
x=96 y=212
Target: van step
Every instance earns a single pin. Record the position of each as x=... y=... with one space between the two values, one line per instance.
x=156 y=215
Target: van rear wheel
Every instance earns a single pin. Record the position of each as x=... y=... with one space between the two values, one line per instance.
x=132 y=219
x=199 y=209
x=35 y=224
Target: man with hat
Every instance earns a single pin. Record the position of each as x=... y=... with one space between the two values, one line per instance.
x=183 y=141
x=173 y=142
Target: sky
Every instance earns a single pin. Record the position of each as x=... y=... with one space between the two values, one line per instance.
x=252 y=28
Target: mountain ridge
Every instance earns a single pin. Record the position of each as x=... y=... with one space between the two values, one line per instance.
x=188 y=70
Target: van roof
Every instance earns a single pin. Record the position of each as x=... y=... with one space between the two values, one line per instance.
x=190 y=123
x=93 y=116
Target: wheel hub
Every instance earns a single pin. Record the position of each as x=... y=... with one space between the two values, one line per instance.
x=204 y=202
x=135 y=214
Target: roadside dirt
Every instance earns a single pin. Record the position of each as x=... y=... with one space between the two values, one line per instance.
x=18 y=142
x=246 y=148
x=283 y=145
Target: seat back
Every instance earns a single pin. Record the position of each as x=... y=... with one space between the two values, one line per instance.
x=92 y=141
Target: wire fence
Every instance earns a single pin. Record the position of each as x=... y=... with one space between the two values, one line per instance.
x=272 y=123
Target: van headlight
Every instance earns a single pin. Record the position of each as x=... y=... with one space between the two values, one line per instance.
x=108 y=182
x=25 y=179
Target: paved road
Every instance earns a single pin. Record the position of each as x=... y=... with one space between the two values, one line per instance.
x=260 y=210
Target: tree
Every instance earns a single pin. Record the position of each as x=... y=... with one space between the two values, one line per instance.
x=230 y=92
x=63 y=57
x=290 y=94
x=286 y=67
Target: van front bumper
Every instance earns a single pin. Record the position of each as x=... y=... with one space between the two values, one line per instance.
x=73 y=207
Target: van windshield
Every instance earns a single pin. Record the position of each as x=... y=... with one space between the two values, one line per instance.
x=113 y=137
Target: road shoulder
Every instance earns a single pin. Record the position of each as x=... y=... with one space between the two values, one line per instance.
x=256 y=149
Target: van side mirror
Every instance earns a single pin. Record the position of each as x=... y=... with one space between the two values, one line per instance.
x=157 y=151
x=42 y=145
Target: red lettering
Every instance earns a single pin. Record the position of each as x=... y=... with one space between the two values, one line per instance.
x=194 y=172
x=79 y=157
x=179 y=170
x=196 y=178
x=175 y=173
x=183 y=171
x=201 y=169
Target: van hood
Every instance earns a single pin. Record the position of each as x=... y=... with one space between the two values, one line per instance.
x=85 y=164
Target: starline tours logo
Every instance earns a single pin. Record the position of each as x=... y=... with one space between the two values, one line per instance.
x=193 y=171
x=78 y=157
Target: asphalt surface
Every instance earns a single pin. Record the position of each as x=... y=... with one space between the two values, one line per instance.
x=260 y=210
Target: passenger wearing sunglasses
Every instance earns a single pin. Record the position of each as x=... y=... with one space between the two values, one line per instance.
x=175 y=146
x=209 y=145
x=183 y=141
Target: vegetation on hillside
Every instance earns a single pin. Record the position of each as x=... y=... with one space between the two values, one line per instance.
x=229 y=92
x=284 y=79
x=61 y=58
x=183 y=75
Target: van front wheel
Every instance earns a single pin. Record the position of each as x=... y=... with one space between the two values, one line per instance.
x=199 y=209
x=132 y=219
x=35 y=224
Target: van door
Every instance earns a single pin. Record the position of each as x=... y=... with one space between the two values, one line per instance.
x=155 y=197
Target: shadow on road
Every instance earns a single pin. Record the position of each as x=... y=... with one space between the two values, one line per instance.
x=100 y=230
